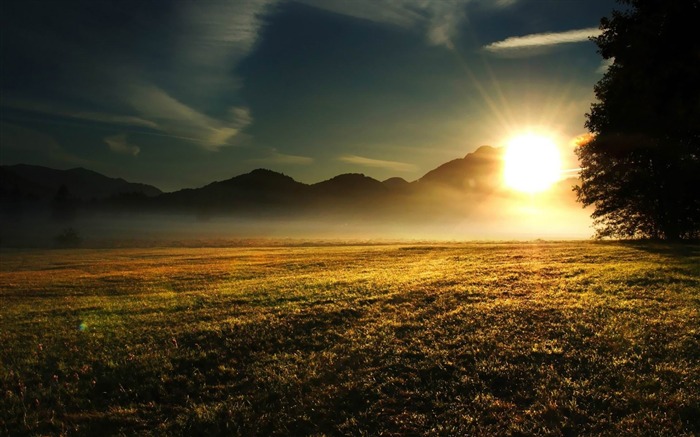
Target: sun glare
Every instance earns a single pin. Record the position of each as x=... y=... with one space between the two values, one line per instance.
x=532 y=163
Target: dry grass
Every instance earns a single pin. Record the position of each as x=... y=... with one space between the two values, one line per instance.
x=510 y=339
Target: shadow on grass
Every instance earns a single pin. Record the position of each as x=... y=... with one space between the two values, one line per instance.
x=684 y=249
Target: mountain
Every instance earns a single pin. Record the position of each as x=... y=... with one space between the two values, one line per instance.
x=16 y=186
x=264 y=190
x=349 y=185
x=259 y=189
x=451 y=188
x=32 y=181
x=396 y=184
x=477 y=171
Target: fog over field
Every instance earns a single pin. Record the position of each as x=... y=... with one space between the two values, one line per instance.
x=463 y=199
x=106 y=230
x=490 y=219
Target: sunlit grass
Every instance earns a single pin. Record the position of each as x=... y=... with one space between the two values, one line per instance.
x=565 y=338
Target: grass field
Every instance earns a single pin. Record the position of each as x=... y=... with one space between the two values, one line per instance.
x=481 y=339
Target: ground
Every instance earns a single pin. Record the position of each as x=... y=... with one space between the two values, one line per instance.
x=480 y=338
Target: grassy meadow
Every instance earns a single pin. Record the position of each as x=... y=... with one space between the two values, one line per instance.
x=578 y=338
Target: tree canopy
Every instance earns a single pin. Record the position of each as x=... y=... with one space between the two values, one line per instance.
x=641 y=166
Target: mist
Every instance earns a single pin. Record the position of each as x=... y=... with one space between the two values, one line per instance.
x=438 y=215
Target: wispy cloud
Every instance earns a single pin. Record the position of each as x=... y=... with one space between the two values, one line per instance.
x=504 y=3
x=394 y=12
x=158 y=112
x=443 y=24
x=440 y=19
x=226 y=24
x=218 y=34
x=282 y=158
x=61 y=111
x=119 y=144
x=209 y=38
x=179 y=119
x=276 y=157
x=379 y=163
x=541 y=40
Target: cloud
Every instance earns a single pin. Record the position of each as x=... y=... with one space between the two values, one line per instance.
x=214 y=36
x=369 y=162
x=119 y=144
x=240 y=116
x=181 y=120
x=443 y=25
x=440 y=19
x=275 y=157
x=504 y=3
x=201 y=42
x=517 y=44
x=219 y=27
x=99 y=117
x=186 y=51
x=157 y=111
x=403 y=13
x=282 y=158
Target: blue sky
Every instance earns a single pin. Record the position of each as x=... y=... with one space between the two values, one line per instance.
x=181 y=93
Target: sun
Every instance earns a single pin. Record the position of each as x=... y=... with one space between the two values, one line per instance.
x=532 y=163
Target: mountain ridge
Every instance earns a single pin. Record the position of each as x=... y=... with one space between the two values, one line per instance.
x=84 y=184
x=265 y=191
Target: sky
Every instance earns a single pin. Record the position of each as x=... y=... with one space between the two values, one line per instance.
x=181 y=93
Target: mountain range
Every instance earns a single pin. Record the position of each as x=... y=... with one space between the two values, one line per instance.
x=262 y=191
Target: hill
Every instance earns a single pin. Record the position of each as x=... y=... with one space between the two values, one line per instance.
x=267 y=190
x=450 y=189
x=477 y=171
x=258 y=190
x=36 y=182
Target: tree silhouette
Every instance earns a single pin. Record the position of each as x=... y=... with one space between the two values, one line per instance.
x=68 y=238
x=641 y=166
x=63 y=205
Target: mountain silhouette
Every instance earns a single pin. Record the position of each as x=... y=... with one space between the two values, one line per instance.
x=259 y=190
x=444 y=191
x=36 y=182
x=264 y=190
x=396 y=184
x=477 y=171
x=349 y=185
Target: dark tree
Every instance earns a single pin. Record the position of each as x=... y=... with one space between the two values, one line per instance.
x=641 y=167
x=68 y=238
x=63 y=205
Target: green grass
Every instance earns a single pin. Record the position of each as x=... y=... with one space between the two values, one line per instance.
x=510 y=339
